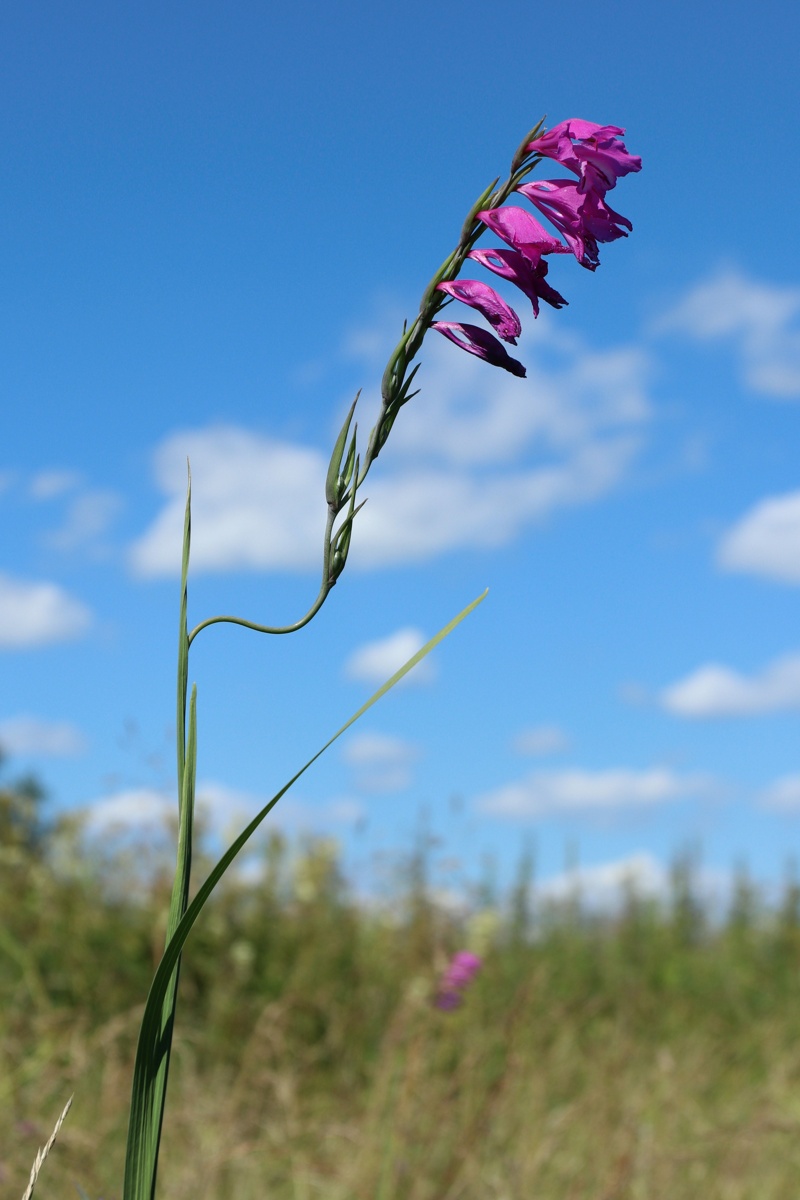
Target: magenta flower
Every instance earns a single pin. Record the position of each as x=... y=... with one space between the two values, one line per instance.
x=530 y=279
x=600 y=219
x=480 y=342
x=577 y=208
x=522 y=231
x=595 y=152
x=458 y=976
x=583 y=219
x=479 y=295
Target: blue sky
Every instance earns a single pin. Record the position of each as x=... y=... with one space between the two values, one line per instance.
x=214 y=220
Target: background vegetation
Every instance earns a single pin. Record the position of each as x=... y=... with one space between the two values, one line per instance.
x=654 y=1052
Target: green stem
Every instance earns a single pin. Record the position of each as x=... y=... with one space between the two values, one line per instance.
x=324 y=591
x=183 y=640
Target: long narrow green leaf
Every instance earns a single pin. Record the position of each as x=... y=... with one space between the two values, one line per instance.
x=187 y=771
x=178 y=902
x=183 y=632
x=139 y=1163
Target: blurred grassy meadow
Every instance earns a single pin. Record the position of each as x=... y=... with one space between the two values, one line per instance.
x=651 y=1052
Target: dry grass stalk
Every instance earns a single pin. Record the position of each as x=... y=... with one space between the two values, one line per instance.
x=44 y=1151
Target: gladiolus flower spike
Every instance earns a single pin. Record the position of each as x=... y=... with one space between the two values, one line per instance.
x=577 y=209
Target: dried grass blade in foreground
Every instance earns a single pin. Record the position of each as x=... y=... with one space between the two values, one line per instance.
x=44 y=1151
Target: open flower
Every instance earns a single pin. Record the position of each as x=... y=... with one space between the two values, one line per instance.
x=594 y=152
x=500 y=315
x=577 y=208
x=480 y=342
x=463 y=968
x=583 y=218
x=530 y=279
x=522 y=231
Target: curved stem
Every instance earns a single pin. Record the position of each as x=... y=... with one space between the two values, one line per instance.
x=322 y=595
x=312 y=612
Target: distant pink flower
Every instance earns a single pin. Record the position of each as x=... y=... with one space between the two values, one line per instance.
x=479 y=295
x=522 y=231
x=595 y=152
x=458 y=976
x=530 y=279
x=583 y=218
x=480 y=342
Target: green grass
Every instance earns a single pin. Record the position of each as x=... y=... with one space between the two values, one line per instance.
x=646 y=1055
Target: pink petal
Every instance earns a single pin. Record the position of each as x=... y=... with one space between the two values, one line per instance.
x=480 y=342
x=530 y=279
x=522 y=231
x=595 y=152
x=479 y=295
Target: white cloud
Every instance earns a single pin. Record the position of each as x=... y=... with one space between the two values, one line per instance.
x=88 y=517
x=226 y=810
x=223 y=812
x=375 y=662
x=604 y=885
x=371 y=342
x=345 y=811
x=38 y=614
x=370 y=749
x=761 y=319
x=133 y=810
x=221 y=809
x=541 y=740
x=469 y=414
x=46 y=485
x=714 y=690
x=766 y=541
x=383 y=763
x=783 y=795
x=298 y=816
x=480 y=455
x=473 y=461
x=548 y=793
x=257 y=503
x=25 y=735
x=418 y=514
